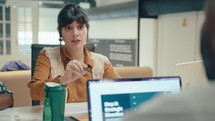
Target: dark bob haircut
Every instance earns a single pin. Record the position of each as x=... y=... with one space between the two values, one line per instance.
x=71 y=13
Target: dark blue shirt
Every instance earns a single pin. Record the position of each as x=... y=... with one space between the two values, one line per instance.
x=4 y=90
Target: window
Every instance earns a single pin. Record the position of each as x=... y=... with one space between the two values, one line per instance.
x=5 y=30
x=48 y=33
x=24 y=29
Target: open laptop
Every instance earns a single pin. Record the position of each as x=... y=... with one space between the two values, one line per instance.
x=186 y=71
x=109 y=98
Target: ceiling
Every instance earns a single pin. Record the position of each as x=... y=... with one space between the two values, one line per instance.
x=147 y=8
x=57 y=3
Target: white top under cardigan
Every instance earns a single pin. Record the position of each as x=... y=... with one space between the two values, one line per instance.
x=57 y=67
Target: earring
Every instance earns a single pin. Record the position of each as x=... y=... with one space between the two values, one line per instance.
x=60 y=39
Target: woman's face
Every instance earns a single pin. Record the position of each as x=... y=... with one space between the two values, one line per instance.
x=74 y=35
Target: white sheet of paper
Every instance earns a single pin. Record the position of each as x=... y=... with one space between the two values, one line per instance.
x=75 y=108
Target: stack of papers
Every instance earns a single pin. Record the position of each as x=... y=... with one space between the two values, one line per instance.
x=75 y=108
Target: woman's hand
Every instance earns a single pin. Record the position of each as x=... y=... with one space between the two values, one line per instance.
x=74 y=70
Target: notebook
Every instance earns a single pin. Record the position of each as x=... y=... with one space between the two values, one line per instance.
x=109 y=98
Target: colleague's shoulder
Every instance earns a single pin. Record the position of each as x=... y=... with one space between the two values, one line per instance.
x=197 y=96
x=191 y=96
x=184 y=106
x=205 y=91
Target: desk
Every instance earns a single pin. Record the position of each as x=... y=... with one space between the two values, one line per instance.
x=35 y=113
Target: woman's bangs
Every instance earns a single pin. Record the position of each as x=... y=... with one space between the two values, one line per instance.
x=81 y=19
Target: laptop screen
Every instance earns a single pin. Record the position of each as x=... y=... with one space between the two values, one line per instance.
x=109 y=98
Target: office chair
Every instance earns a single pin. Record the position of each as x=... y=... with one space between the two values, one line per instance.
x=35 y=50
x=134 y=71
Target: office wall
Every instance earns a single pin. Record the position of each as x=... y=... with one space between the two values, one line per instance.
x=164 y=42
x=116 y=33
x=148 y=43
x=48 y=33
x=123 y=28
x=178 y=40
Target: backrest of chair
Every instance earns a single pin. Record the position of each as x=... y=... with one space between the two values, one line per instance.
x=16 y=81
x=133 y=71
x=191 y=73
x=35 y=50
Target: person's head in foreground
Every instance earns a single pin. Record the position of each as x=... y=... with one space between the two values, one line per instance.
x=208 y=40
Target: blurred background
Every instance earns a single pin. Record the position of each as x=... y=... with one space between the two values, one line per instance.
x=154 y=33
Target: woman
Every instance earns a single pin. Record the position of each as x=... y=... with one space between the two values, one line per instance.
x=71 y=64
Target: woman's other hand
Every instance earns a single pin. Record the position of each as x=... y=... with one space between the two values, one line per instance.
x=74 y=70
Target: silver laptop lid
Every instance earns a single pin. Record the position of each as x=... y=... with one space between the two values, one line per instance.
x=109 y=98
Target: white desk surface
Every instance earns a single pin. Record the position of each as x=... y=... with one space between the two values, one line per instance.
x=35 y=113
